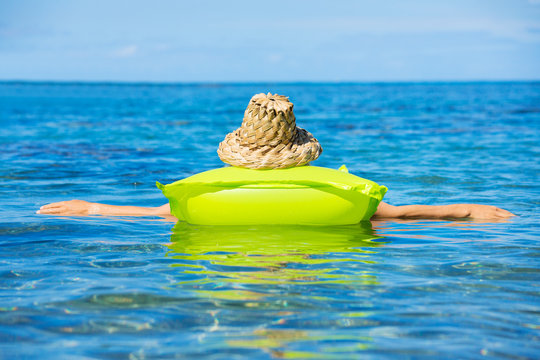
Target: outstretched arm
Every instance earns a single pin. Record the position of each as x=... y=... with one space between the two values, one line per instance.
x=81 y=207
x=441 y=211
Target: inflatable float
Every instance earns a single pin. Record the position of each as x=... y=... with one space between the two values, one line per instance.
x=303 y=195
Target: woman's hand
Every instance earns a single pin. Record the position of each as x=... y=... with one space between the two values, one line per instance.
x=72 y=207
x=487 y=212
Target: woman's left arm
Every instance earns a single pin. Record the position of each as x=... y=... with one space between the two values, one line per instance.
x=81 y=207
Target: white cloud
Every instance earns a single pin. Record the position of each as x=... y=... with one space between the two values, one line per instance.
x=125 y=51
x=162 y=47
x=518 y=30
x=275 y=58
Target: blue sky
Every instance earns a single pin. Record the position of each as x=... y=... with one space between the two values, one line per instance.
x=245 y=41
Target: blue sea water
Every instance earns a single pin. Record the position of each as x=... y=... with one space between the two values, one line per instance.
x=143 y=288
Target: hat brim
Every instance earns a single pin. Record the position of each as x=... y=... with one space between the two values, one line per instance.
x=302 y=149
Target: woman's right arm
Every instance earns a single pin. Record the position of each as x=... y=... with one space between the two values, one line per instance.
x=474 y=211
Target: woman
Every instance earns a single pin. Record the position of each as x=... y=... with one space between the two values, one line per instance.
x=270 y=139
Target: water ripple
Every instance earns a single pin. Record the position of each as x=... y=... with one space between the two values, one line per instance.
x=99 y=287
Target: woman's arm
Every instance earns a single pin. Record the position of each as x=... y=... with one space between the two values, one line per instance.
x=441 y=211
x=81 y=207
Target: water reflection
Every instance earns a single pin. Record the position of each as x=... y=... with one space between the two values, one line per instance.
x=273 y=254
x=262 y=277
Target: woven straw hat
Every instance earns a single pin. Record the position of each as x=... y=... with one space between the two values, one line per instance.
x=269 y=137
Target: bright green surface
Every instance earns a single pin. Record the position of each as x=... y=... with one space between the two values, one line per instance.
x=272 y=254
x=300 y=195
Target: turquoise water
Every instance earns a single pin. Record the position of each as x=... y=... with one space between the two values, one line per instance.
x=125 y=288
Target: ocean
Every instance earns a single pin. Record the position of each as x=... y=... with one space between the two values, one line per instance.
x=144 y=288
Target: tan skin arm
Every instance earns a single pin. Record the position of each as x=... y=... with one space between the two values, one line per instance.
x=384 y=211
x=81 y=207
x=475 y=211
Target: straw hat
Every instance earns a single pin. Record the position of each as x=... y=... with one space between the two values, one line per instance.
x=269 y=137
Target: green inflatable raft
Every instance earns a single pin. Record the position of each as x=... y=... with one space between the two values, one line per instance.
x=305 y=195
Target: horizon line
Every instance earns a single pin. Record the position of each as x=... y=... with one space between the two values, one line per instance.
x=257 y=82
